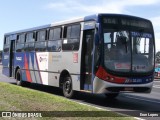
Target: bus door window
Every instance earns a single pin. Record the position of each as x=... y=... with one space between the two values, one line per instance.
x=12 y=51
x=86 y=66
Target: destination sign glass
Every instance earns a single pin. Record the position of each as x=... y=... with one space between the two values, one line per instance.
x=127 y=22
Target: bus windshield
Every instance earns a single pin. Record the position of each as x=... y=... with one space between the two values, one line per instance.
x=128 y=51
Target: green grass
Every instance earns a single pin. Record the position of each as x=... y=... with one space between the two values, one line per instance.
x=15 y=98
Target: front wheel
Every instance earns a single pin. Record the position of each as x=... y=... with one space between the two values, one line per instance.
x=67 y=88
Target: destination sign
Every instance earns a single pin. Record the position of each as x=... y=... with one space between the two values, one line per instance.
x=127 y=22
x=110 y=20
x=136 y=23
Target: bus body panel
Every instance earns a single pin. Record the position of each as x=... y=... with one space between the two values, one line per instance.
x=101 y=86
x=45 y=67
x=69 y=61
x=5 y=62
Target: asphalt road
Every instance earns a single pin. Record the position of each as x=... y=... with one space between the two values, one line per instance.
x=126 y=103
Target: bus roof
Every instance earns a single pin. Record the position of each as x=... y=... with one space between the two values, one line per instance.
x=86 y=18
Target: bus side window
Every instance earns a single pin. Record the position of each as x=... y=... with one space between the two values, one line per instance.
x=41 y=44
x=30 y=39
x=71 y=37
x=54 y=43
x=20 y=43
x=6 y=44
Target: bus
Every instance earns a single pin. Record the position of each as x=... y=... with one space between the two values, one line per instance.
x=157 y=70
x=102 y=54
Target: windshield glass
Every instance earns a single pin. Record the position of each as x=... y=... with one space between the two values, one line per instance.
x=128 y=51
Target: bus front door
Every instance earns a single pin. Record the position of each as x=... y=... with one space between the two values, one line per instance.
x=86 y=60
x=11 y=60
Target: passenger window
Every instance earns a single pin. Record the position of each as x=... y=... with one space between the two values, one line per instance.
x=30 y=37
x=30 y=41
x=75 y=33
x=71 y=37
x=6 y=44
x=41 y=43
x=41 y=35
x=55 y=34
x=6 y=41
x=54 y=43
x=20 y=42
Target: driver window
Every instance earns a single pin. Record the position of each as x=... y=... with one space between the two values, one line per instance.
x=107 y=38
x=144 y=43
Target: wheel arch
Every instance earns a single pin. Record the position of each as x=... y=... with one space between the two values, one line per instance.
x=64 y=73
x=16 y=71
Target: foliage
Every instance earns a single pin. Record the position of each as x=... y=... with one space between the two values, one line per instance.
x=157 y=58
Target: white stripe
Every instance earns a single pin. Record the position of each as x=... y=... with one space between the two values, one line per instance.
x=156 y=81
x=139 y=118
x=91 y=106
x=156 y=86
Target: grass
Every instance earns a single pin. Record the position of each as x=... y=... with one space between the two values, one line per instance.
x=15 y=98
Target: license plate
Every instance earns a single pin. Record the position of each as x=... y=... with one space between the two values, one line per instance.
x=128 y=89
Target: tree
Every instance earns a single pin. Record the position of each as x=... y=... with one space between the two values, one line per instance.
x=158 y=57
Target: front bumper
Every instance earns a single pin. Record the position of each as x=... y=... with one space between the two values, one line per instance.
x=101 y=86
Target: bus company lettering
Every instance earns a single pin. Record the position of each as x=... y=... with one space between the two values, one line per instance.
x=42 y=59
x=56 y=58
x=6 y=57
x=19 y=58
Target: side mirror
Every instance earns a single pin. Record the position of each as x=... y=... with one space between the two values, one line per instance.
x=97 y=25
x=96 y=35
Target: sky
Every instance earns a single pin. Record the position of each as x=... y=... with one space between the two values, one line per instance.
x=21 y=14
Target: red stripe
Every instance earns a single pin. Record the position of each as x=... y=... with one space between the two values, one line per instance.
x=102 y=74
x=28 y=75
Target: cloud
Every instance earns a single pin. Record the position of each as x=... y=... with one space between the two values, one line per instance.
x=74 y=8
x=156 y=26
x=102 y=6
x=155 y=21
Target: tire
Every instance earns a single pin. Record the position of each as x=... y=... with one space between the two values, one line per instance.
x=18 y=78
x=19 y=81
x=111 y=95
x=68 y=92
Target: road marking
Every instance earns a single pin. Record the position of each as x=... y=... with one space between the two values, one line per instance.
x=143 y=99
x=157 y=81
x=156 y=86
x=92 y=106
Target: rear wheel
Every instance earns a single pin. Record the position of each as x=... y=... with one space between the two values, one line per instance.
x=67 y=88
x=19 y=81
x=18 y=78
x=111 y=95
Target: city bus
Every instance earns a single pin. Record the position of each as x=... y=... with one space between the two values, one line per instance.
x=102 y=54
x=157 y=70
